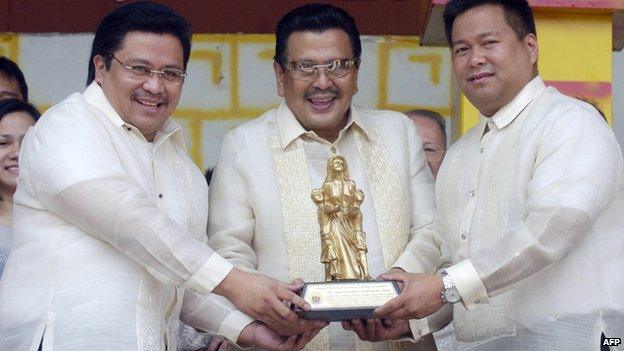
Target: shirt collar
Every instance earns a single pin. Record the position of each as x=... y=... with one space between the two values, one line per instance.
x=290 y=129
x=95 y=96
x=509 y=112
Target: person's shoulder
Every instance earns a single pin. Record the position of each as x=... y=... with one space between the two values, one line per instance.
x=391 y=125
x=556 y=105
x=70 y=112
x=251 y=133
x=381 y=117
x=254 y=126
x=554 y=115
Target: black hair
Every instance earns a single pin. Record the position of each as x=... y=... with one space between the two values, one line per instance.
x=15 y=105
x=11 y=70
x=141 y=16
x=316 y=18
x=518 y=15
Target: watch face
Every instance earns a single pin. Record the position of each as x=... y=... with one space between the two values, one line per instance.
x=451 y=296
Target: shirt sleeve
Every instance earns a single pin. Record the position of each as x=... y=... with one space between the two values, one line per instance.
x=82 y=180
x=231 y=221
x=422 y=185
x=424 y=252
x=213 y=314
x=431 y=324
x=564 y=199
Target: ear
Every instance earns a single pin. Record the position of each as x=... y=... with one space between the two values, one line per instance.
x=530 y=42
x=98 y=64
x=280 y=75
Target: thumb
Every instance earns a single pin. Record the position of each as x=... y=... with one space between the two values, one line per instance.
x=297 y=282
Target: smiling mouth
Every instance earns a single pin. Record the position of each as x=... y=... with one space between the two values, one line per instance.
x=476 y=78
x=150 y=106
x=322 y=102
x=12 y=169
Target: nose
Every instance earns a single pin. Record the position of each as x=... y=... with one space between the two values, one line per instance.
x=322 y=81
x=15 y=148
x=477 y=57
x=154 y=84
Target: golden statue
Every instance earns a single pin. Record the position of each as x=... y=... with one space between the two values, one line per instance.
x=343 y=246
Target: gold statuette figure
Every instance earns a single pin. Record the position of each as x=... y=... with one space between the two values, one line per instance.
x=343 y=248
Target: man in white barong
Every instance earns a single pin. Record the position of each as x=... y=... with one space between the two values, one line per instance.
x=529 y=202
x=262 y=217
x=109 y=232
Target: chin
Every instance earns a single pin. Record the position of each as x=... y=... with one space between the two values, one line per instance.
x=8 y=185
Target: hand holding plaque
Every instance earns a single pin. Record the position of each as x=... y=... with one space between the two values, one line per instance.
x=349 y=291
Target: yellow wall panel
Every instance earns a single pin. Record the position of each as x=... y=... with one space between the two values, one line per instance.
x=574 y=47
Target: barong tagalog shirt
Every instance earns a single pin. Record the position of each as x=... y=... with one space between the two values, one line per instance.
x=529 y=202
x=263 y=219
x=108 y=237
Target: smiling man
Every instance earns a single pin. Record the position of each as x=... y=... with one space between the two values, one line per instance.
x=529 y=202
x=109 y=232
x=262 y=217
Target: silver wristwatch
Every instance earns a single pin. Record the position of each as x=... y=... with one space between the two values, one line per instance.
x=450 y=294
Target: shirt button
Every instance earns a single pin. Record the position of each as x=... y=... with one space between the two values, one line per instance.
x=472 y=193
x=160 y=196
x=333 y=149
x=463 y=236
x=482 y=150
x=419 y=332
x=477 y=301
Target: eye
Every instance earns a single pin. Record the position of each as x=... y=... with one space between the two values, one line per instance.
x=334 y=65
x=306 y=66
x=460 y=50
x=489 y=42
x=140 y=70
x=4 y=143
x=170 y=73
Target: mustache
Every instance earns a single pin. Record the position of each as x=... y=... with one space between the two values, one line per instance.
x=312 y=92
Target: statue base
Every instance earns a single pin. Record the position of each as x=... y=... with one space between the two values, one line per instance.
x=347 y=299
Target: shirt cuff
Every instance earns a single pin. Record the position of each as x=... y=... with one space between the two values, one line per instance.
x=233 y=324
x=468 y=283
x=419 y=328
x=209 y=275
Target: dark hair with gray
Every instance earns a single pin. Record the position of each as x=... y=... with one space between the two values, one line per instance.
x=15 y=105
x=431 y=115
x=315 y=18
x=141 y=16
x=11 y=70
x=518 y=15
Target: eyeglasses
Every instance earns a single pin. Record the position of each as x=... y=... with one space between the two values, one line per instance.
x=306 y=70
x=141 y=72
x=433 y=153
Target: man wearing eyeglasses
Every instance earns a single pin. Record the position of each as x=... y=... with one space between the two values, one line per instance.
x=529 y=202
x=432 y=130
x=262 y=217
x=109 y=245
